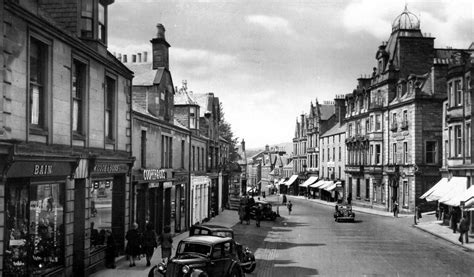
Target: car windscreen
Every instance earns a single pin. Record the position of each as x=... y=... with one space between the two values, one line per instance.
x=223 y=234
x=192 y=247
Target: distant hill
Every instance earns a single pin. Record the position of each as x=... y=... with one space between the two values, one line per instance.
x=286 y=146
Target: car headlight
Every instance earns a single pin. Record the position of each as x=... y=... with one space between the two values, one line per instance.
x=161 y=267
x=185 y=269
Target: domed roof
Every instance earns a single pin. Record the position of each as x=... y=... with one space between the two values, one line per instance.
x=406 y=21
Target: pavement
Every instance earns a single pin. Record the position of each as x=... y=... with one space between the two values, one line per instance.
x=428 y=223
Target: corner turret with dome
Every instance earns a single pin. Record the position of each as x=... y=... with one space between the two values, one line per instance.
x=406 y=21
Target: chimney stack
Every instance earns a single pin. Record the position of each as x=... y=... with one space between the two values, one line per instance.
x=160 y=48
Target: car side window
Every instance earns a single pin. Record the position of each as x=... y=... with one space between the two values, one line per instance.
x=227 y=249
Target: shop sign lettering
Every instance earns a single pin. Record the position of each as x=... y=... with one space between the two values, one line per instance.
x=154 y=174
x=108 y=168
x=42 y=169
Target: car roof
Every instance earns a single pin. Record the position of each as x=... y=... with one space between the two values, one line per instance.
x=261 y=202
x=206 y=239
x=213 y=227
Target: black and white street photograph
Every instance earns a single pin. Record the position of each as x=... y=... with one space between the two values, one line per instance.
x=236 y=138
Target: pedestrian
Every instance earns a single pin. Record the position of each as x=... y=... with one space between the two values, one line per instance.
x=133 y=243
x=284 y=199
x=241 y=213
x=349 y=198
x=395 y=208
x=111 y=250
x=149 y=242
x=247 y=214
x=464 y=229
x=454 y=220
x=166 y=241
x=290 y=207
x=263 y=194
x=258 y=215
x=415 y=216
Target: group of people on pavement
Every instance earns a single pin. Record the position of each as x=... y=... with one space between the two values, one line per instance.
x=245 y=205
x=139 y=244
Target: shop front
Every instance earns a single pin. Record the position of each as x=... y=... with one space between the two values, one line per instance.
x=35 y=215
x=179 y=210
x=200 y=190
x=152 y=198
x=102 y=200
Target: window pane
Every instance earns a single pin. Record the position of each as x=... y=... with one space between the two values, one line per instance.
x=36 y=96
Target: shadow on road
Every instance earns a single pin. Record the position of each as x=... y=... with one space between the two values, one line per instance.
x=284 y=268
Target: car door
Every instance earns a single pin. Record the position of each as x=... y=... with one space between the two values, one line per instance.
x=218 y=261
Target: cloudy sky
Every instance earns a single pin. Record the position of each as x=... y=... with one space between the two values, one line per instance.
x=267 y=60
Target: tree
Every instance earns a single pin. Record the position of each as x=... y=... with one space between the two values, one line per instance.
x=225 y=130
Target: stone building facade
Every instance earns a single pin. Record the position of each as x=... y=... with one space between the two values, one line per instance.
x=65 y=138
x=394 y=132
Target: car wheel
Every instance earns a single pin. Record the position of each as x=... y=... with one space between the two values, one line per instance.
x=251 y=267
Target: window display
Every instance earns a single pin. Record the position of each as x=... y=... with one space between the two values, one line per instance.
x=34 y=228
x=101 y=212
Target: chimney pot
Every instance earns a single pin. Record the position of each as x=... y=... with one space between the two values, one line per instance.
x=145 y=56
x=161 y=31
x=139 y=57
x=134 y=58
x=124 y=58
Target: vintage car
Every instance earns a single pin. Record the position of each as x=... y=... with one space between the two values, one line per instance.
x=203 y=256
x=267 y=211
x=245 y=256
x=344 y=213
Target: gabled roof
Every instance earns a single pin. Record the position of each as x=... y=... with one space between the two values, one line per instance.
x=184 y=98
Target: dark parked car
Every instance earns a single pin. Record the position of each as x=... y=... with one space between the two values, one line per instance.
x=246 y=257
x=344 y=213
x=267 y=210
x=204 y=256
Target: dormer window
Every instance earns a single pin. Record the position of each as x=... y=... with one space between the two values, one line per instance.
x=94 y=20
x=193 y=118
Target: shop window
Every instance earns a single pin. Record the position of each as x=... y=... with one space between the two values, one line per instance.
x=34 y=228
x=100 y=212
x=79 y=82
x=38 y=65
x=109 y=107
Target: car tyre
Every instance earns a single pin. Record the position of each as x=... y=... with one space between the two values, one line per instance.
x=154 y=272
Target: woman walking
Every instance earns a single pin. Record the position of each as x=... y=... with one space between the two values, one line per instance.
x=166 y=241
x=133 y=243
x=149 y=242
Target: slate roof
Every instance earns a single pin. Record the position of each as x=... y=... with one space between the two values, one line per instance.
x=336 y=129
x=145 y=75
x=326 y=111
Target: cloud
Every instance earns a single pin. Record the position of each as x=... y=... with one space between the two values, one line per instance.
x=270 y=23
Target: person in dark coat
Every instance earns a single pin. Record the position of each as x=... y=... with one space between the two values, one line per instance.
x=111 y=250
x=166 y=241
x=133 y=243
x=464 y=229
x=247 y=214
x=258 y=215
x=349 y=198
x=241 y=213
x=149 y=242
x=284 y=199
x=290 y=207
x=454 y=220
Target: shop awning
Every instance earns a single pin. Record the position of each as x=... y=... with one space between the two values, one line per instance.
x=330 y=187
x=441 y=183
x=317 y=184
x=439 y=191
x=468 y=197
x=310 y=181
x=326 y=185
x=291 y=180
x=457 y=187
